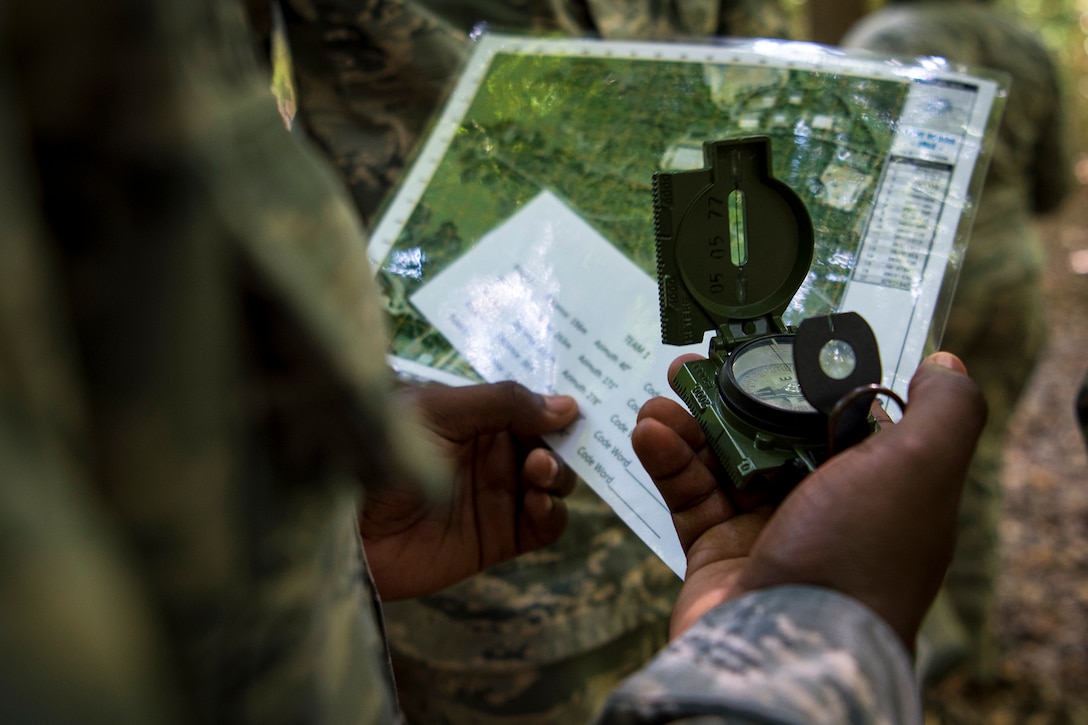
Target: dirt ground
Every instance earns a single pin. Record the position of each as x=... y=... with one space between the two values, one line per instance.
x=1043 y=598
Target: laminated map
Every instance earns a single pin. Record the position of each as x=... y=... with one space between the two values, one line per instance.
x=520 y=244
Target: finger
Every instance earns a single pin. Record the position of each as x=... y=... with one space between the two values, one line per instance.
x=947 y=360
x=880 y=414
x=461 y=413
x=543 y=470
x=855 y=524
x=685 y=481
x=944 y=416
x=543 y=519
x=675 y=416
x=940 y=393
x=666 y=440
x=676 y=364
x=928 y=449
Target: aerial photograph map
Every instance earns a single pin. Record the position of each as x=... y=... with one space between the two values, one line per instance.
x=593 y=128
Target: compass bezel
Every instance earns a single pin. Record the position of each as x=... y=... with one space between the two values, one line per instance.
x=792 y=424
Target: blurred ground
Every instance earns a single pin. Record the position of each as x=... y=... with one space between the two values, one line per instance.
x=1043 y=598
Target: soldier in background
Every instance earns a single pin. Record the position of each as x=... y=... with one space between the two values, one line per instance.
x=996 y=324
x=544 y=638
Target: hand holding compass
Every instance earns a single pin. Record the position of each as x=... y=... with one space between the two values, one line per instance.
x=733 y=246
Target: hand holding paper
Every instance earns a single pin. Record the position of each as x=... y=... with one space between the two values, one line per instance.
x=506 y=497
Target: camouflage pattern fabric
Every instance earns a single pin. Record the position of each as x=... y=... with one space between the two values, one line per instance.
x=192 y=385
x=542 y=639
x=996 y=323
x=371 y=73
x=193 y=395
x=784 y=655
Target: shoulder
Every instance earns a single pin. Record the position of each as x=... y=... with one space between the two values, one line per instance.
x=967 y=32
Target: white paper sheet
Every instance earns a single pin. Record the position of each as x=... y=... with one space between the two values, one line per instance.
x=546 y=301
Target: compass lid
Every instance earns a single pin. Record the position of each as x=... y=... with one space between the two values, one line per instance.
x=733 y=242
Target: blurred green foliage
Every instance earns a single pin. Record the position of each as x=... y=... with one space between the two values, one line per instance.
x=1063 y=26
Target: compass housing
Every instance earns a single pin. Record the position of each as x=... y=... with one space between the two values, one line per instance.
x=734 y=244
x=759 y=384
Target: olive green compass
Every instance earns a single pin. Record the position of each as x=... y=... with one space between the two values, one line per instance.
x=734 y=244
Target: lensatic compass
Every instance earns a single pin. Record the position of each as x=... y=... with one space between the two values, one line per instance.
x=734 y=244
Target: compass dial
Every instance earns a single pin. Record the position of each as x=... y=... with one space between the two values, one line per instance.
x=764 y=371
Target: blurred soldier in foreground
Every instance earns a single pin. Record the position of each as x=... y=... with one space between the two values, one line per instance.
x=997 y=320
x=544 y=638
x=200 y=451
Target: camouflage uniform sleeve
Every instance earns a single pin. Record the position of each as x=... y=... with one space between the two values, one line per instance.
x=783 y=655
x=78 y=640
x=193 y=394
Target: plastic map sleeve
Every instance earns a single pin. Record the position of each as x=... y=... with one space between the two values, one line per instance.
x=520 y=245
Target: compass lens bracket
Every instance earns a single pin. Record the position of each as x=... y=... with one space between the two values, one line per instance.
x=734 y=245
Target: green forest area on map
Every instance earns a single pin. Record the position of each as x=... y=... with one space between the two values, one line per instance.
x=594 y=130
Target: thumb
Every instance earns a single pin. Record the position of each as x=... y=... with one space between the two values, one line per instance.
x=945 y=415
x=877 y=521
x=461 y=413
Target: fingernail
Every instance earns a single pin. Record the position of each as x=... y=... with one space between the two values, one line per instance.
x=553 y=470
x=559 y=404
x=948 y=360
